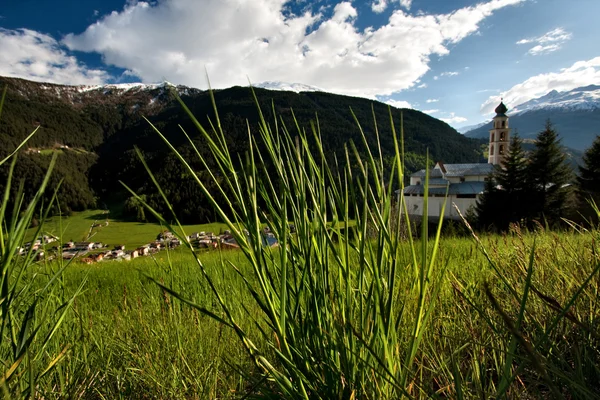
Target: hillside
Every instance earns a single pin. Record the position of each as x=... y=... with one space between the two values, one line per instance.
x=95 y=129
x=575 y=114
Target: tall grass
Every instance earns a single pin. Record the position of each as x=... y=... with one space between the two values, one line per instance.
x=333 y=315
x=348 y=314
x=32 y=308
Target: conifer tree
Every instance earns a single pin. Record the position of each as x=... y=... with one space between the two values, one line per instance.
x=512 y=181
x=512 y=177
x=589 y=174
x=489 y=205
x=588 y=182
x=548 y=174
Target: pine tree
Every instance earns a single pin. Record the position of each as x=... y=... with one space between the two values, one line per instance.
x=489 y=205
x=588 y=182
x=512 y=180
x=548 y=174
x=512 y=177
x=589 y=174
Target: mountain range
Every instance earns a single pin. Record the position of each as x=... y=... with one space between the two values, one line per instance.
x=575 y=114
x=94 y=130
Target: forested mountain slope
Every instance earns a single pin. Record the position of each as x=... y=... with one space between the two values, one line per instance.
x=95 y=129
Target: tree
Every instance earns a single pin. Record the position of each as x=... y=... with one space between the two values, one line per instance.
x=489 y=205
x=512 y=181
x=548 y=176
x=588 y=180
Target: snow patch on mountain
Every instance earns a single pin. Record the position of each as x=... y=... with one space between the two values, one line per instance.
x=124 y=87
x=290 y=87
x=585 y=98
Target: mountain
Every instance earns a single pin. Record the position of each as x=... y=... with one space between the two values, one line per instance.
x=575 y=115
x=94 y=130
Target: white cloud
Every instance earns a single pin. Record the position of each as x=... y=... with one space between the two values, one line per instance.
x=39 y=57
x=406 y=4
x=547 y=43
x=379 y=6
x=449 y=73
x=454 y=119
x=432 y=100
x=398 y=103
x=582 y=73
x=177 y=39
x=422 y=86
x=431 y=111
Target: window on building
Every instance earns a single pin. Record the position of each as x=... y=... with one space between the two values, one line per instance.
x=503 y=124
x=491 y=150
x=501 y=136
x=462 y=178
x=466 y=196
x=492 y=138
x=501 y=149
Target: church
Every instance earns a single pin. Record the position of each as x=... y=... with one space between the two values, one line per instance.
x=463 y=183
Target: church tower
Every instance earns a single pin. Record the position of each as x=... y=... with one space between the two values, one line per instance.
x=499 y=136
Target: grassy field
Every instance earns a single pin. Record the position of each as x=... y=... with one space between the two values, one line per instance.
x=77 y=227
x=131 y=339
x=378 y=312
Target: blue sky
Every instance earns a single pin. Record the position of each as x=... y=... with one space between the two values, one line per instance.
x=453 y=59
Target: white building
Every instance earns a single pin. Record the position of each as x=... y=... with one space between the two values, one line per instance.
x=463 y=183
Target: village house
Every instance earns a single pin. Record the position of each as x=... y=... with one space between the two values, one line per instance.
x=83 y=246
x=462 y=183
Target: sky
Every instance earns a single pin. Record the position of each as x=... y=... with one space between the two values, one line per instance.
x=452 y=59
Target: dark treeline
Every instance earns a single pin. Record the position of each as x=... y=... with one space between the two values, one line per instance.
x=101 y=129
x=539 y=186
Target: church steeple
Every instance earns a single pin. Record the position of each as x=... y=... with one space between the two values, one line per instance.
x=499 y=136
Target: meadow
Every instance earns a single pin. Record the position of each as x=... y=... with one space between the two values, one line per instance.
x=384 y=310
x=130 y=338
x=78 y=227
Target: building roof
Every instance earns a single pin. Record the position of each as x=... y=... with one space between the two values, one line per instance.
x=438 y=182
x=444 y=171
x=453 y=170
x=453 y=189
x=501 y=110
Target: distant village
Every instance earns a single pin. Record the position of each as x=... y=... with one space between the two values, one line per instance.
x=93 y=252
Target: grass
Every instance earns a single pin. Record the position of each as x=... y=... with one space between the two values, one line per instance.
x=330 y=314
x=141 y=342
x=77 y=226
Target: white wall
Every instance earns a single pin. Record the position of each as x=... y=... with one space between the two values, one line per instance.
x=414 y=206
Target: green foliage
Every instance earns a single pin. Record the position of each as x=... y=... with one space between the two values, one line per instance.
x=589 y=173
x=101 y=129
x=505 y=199
x=31 y=313
x=527 y=189
x=548 y=175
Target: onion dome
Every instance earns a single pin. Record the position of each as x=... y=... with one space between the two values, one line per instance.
x=501 y=109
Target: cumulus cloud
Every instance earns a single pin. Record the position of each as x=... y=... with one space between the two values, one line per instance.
x=398 y=103
x=432 y=100
x=431 y=111
x=260 y=39
x=582 y=73
x=39 y=57
x=547 y=43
